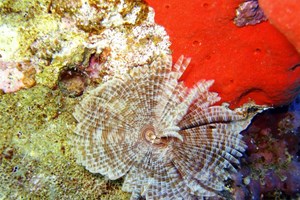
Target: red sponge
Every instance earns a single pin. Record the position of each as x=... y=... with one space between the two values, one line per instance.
x=249 y=63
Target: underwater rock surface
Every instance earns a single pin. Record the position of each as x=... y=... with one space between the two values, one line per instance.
x=54 y=52
x=48 y=48
x=35 y=157
x=58 y=36
x=270 y=168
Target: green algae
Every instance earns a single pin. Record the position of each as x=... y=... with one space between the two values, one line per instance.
x=36 y=126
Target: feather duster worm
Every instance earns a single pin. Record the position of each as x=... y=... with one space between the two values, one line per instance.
x=166 y=139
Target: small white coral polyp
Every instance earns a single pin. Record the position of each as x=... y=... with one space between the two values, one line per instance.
x=167 y=139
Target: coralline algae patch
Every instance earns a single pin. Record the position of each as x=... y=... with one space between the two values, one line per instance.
x=11 y=80
x=16 y=75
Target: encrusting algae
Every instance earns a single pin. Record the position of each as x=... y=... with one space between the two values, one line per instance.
x=35 y=160
x=55 y=35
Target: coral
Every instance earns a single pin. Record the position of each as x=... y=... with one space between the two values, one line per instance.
x=252 y=62
x=58 y=50
x=118 y=49
x=168 y=141
x=93 y=16
x=63 y=35
x=48 y=45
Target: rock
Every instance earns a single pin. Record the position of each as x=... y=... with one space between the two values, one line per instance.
x=252 y=62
